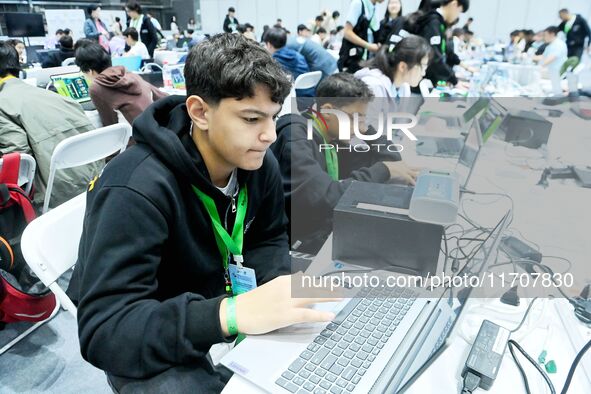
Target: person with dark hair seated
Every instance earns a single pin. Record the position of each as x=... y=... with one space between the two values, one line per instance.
x=35 y=121
x=292 y=61
x=397 y=68
x=152 y=282
x=136 y=47
x=315 y=173
x=66 y=51
x=113 y=88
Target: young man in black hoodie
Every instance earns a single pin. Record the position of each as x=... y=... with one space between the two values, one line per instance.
x=154 y=282
x=314 y=177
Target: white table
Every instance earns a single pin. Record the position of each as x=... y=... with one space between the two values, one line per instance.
x=557 y=219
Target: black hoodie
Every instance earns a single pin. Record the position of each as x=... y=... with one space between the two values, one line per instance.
x=149 y=277
x=310 y=193
x=429 y=26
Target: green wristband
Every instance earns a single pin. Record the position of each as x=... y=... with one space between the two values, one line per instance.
x=231 y=316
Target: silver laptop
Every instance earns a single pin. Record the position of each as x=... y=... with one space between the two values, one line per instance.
x=450 y=146
x=380 y=341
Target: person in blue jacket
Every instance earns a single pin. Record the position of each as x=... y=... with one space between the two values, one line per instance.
x=293 y=62
x=95 y=28
x=318 y=58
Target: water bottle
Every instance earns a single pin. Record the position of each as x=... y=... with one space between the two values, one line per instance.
x=166 y=75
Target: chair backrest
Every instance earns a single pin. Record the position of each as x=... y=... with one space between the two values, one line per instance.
x=86 y=148
x=286 y=108
x=69 y=62
x=50 y=244
x=26 y=174
x=131 y=63
x=425 y=86
x=308 y=80
x=151 y=67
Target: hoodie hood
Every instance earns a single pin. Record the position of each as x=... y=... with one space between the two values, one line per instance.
x=416 y=22
x=373 y=73
x=429 y=17
x=117 y=78
x=165 y=127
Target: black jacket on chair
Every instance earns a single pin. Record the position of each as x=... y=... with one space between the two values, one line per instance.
x=55 y=59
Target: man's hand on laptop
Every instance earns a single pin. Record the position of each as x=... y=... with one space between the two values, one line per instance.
x=271 y=306
x=401 y=173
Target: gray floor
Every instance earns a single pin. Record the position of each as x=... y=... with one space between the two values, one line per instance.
x=48 y=361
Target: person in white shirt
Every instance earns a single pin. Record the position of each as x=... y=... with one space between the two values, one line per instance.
x=320 y=37
x=136 y=47
x=556 y=52
x=397 y=67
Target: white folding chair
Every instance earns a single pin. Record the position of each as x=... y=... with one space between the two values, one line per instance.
x=308 y=80
x=50 y=245
x=86 y=148
x=304 y=81
x=150 y=67
x=425 y=87
x=26 y=174
x=71 y=61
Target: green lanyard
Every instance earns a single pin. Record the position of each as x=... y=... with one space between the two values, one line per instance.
x=443 y=39
x=227 y=244
x=332 y=160
x=330 y=155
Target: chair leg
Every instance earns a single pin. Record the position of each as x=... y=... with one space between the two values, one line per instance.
x=29 y=330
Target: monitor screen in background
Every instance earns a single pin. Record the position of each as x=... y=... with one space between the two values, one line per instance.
x=471 y=146
x=24 y=24
x=73 y=85
x=490 y=121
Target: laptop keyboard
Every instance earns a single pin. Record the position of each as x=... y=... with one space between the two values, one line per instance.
x=340 y=355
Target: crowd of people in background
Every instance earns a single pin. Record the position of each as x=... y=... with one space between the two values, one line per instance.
x=390 y=53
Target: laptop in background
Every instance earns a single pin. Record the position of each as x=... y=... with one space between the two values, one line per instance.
x=378 y=343
x=75 y=86
x=43 y=54
x=449 y=146
x=492 y=119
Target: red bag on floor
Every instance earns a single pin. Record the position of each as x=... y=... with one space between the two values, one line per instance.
x=22 y=295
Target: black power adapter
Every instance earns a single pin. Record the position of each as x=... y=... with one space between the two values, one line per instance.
x=519 y=250
x=486 y=355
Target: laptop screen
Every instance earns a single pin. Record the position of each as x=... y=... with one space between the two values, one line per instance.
x=491 y=120
x=73 y=85
x=469 y=153
x=439 y=327
x=478 y=106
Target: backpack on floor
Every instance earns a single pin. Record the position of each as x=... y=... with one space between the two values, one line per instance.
x=23 y=297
